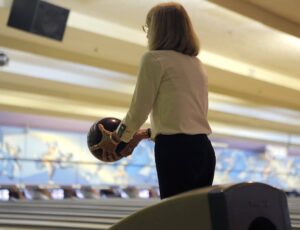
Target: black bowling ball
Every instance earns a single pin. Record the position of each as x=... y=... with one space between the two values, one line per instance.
x=94 y=137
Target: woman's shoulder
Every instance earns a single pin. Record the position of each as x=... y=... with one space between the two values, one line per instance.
x=157 y=55
x=152 y=55
x=171 y=53
x=167 y=56
x=160 y=52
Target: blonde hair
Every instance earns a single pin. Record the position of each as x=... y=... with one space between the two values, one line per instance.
x=170 y=28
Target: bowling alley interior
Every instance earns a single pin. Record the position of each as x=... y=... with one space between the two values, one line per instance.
x=65 y=64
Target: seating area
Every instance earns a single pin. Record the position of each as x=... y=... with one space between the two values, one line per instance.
x=89 y=212
x=58 y=192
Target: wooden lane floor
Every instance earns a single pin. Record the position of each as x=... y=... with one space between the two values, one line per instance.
x=294 y=209
x=68 y=214
x=85 y=214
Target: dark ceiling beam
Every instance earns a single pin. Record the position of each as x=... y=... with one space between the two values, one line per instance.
x=20 y=83
x=251 y=89
x=63 y=54
x=251 y=122
x=259 y=14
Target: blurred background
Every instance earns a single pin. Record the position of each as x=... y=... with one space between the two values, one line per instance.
x=53 y=89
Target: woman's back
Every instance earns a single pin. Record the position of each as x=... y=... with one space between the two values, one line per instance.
x=182 y=101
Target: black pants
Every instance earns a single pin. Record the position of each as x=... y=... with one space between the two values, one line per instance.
x=183 y=162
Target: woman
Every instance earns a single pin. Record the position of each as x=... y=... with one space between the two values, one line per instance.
x=172 y=85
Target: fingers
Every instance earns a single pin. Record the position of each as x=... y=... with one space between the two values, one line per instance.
x=101 y=127
x=144 y=133
x=110 y=156
x=129 y=148
x=103 y=130
x=108 y=146
x=140 y=136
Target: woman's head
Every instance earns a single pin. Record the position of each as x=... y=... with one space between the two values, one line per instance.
x=170 y=28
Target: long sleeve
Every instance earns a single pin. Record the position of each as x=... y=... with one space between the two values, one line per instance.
x=146 y=89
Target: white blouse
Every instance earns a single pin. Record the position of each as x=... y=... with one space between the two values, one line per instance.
x=173 y=88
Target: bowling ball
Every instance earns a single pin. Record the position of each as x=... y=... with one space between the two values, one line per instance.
x=95 y=135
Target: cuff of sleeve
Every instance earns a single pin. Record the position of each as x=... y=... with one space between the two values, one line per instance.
x=124 y=133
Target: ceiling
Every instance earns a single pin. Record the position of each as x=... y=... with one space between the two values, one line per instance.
x=250 y=48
